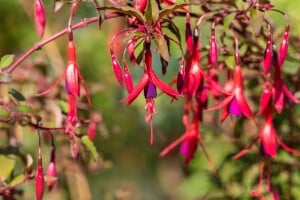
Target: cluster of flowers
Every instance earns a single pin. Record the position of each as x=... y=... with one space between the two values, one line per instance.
x=195 y=82
x=147 y=22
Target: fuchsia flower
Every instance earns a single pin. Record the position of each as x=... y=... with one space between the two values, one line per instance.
x=189 y=142
x=268 y=138
x=51 y=171
x=267 y=61
x=281 y=92
x=39 y=17
x=213 y=49
x=149 y=76
x=39 y=180
x=71 y=116
x=148 y=83
x=283 y=49
x=72 y=77
x=235 y=103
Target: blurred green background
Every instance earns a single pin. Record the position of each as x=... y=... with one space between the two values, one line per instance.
x=131 y=168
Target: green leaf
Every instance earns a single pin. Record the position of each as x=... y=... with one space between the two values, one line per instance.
x=7 y=164
x=24 y=108
x=4 y=113
x=152 y=12
x=63 y=106
x=17 y=180
x=162 y=46
x=169 y=9
x=90 y=146
x=16 y=94
x=6 y=60
x=148 y=13
x=126 y=10
x=174 y=29
x=256 y=20
x=229 y=61
x=228 y=20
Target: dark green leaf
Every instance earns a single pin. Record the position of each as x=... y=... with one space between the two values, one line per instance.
x=16 y=94
x=90 y=146
x=140 y=57
x=174 y=29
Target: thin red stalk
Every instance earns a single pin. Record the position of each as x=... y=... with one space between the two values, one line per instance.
x=83 y=23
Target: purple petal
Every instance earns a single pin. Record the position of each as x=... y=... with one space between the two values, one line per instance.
x=234 y=109
x=150 y=90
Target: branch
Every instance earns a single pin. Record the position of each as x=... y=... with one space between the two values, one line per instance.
x=83 y=23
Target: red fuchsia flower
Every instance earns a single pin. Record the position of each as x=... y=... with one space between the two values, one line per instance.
x=283 y=49
x=127 y=78
x=39 y=17
x=71 y=116
x=116 y=67
x=281 y=92
x=149 y=76
x=193 y=74
x=130 y=50
x=72 y=76
x=266 y=98
x=267 y=61
x=51 y=171
x=140 y=5
x=235 y=103
x=148 y=83
x=96 y=118
x=213 y=48
x=189 y=142
x=268 y=138
x=39 y=180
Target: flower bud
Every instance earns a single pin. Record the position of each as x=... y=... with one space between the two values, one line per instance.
x=39 y=180
x=39 y=17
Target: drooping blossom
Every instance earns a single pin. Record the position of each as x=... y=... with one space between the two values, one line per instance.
x=39 y=180
x=51 y=171
x=283 y=49
x=268 y=138
x=281 y=93
x=235 y=101
x=189 y=142
x=213 y=48
x=149 y=76
x=39 y=17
